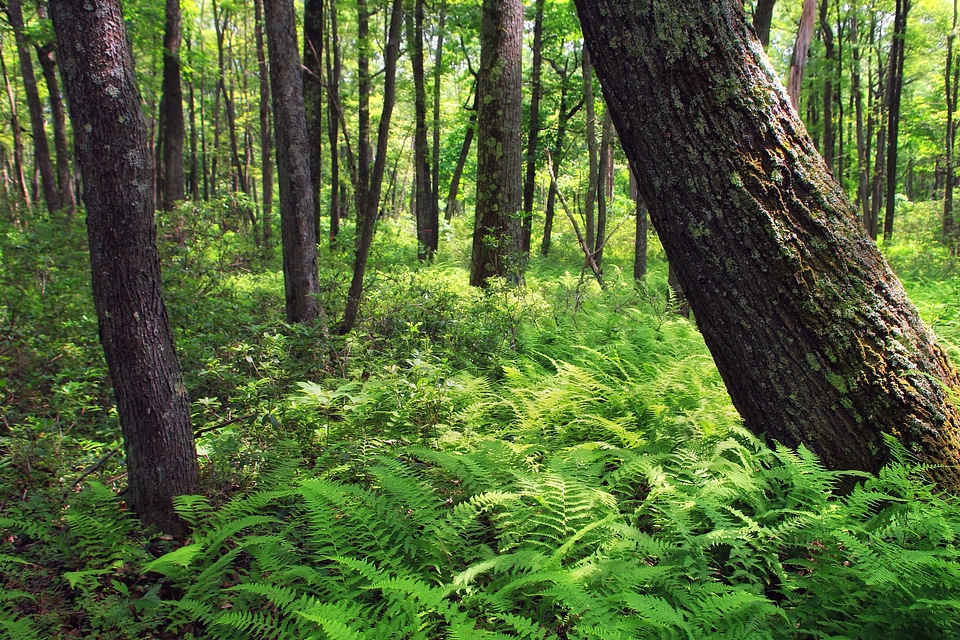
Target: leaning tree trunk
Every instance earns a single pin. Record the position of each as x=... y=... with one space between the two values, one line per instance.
x=811 y=331
x=297 y=233
x=117 y=169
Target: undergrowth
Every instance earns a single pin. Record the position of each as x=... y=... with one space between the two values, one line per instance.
x=556 y=461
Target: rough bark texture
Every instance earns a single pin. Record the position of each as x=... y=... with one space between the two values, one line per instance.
x=811 y=331
x=41 y=148
x=298 y=235
x=115 y=161
x=497 y=230
x=171 y=110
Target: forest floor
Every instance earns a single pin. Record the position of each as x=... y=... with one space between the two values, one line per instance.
x=551 y=461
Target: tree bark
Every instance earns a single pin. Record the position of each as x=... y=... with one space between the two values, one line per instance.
x=533 y=129
x=369 y=204
x=171 y=111
x=313 y=96
x=461 y=161
x=811 y=331
x=334 y=64
x=41 y=148
x=24 y=188
x=895 y=87
x=497 y=230
x=437 y=76
x=604 y=169
x=298 y=236
x=563 y=118
x=762 y=17
x=640 y=239
x=950 y=92
x=362 y=178
x=115 y=161
x=589 y=203
x=828 y=147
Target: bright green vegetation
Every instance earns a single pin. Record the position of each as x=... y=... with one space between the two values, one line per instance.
x=549 y=462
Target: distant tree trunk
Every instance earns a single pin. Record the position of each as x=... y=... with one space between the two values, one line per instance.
x=497 y=230
x=313 y=96
x=362 y=182
x=370 y=203
x=115 y=161
x=589 y=203
x=171 y=111
x=266 y=139
x=762 y=17
x=461 y=161
x=894 y=89
x=333 y=105
x=828 y=147
x=24 y=187
x=950 y=91
x=293 y=167
x=426 y=207
x=810 y=329
x=41 y=147
x=801 y=50
x=563 y=118
x=58 y=117
x=533 y=129
x=863 y=153
x=640 y=240
x=603 y=171
x=437 y=75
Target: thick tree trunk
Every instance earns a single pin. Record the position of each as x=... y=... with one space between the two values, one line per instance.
x=115 y=162
x=298 y=236
x=497 y=230
x=895 y=87
x=171 y=111
x=762 y=17
x=41 y=147
x=369 y=206
x=266 y=139
x=533 y=129
x=811 y=331
x=313 y=95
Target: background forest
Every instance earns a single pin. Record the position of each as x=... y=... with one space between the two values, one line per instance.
x=558 y=459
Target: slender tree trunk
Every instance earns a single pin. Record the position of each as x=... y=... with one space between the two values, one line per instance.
x=24 y=187
x=193 y=177
x=41 y=147
x=371 y=203
x=533 y=128
x=603 y=170
x=640 y=240
x=497 y=231
x=589 y=203
x=801 y=50
x=828 y=147
x=461 y=161
x=426 y=207
x=266 y=140
x=895 y=87
x=362 y=182
x=293 y=167
x=313 y=95
x=171 y=111
x=762 y=17
x=563 y=118
x=863 y=153
x=115 y=161
x=437 y=76
x=811 y=331
x=950 y=91
x=333 y=102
